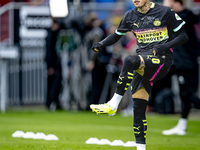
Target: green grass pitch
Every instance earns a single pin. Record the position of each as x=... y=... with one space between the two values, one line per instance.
x=74 y=128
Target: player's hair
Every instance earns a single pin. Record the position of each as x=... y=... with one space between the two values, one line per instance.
x=180 y=1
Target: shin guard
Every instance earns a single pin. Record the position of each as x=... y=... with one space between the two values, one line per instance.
x=140 y=122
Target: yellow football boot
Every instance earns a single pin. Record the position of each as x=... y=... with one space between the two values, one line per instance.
x=103 y=109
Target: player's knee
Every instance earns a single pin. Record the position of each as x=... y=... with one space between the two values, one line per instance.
x=141 y=94
x=132 y=61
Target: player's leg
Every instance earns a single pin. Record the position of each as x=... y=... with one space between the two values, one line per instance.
x=131 y=63
x=140 y=99
x=154 y=70
x=188 y=96
x=180 y=128
x=186 y=92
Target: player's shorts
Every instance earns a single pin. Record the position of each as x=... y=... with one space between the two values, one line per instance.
x=156 y=67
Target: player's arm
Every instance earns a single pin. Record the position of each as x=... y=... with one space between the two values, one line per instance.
x=109 y=40
x=178 y=40
x=176 y=24
x=122 y=29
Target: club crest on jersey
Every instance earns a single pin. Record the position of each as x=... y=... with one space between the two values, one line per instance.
x=177 y=17
x=157 y=23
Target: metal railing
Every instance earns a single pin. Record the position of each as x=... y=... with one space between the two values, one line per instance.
x=26 y=74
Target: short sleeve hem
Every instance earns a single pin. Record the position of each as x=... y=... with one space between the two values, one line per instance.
x=119 y=33
x=178 y=28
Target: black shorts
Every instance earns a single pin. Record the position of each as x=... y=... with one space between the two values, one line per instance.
x=156 y=67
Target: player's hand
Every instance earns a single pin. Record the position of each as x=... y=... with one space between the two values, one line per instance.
x=158 y=50
x=154 y=52
x=97 y=46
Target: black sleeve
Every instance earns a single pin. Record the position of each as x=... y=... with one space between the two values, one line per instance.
x=111 y=39
x=178 y=40
x=124 y=26
x=122 y=29
x=175 y=22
